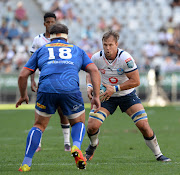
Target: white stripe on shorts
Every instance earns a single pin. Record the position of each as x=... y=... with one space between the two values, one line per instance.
x=44 y=114
x=76 y=115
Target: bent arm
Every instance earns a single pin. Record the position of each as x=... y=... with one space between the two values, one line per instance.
x=94 y=77
x=133 y=81
x=22 y=81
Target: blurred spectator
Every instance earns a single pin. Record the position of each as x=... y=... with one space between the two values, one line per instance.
x=168 y=65
x=13 y=32
x=170 y=24
x=115 y=25
x=55 y=6
x=66 y=6
x=102 y=26
x=59 y=15
x=175 y=3
x=25 y=34
x=20 y=12
x=151 y=50
x=9 y=14
x=164 y=37
x=88 y=32
x=4 y=50
x=174 y=43
x=7 y=62
x=25 y=21
x=20 y=58
x=86 y=45
x=4 y=30
x=70 y=15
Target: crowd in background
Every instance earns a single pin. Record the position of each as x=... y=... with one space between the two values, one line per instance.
x=14 y=32
x=15 y=37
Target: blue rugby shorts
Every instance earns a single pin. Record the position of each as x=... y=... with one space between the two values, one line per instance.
x=70 y=103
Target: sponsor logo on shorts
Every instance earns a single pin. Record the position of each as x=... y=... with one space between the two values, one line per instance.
x=40 y=106
x=76 y=107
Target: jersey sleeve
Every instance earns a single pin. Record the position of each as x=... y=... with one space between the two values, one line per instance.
x=86 y=61
x=32 y=63
x=34 y=46
x=128 y=62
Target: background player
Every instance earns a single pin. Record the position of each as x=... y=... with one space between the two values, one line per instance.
x=59 y=63
x=40 y=40
x=119 y=75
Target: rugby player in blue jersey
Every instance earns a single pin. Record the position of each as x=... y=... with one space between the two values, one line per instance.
x=59 y=63
x=40 y=40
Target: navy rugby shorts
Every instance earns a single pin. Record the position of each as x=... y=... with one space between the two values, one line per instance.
x=124 y=102
x=70 y=103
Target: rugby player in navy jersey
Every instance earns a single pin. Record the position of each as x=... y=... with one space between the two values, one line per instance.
x=59 y=63
x=40 y=40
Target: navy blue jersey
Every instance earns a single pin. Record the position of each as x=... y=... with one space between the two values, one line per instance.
x=59 y=63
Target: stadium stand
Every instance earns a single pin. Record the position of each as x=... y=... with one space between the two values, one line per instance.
x=139 y=22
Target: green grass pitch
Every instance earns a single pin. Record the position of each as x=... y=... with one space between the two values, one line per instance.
x=122 y=150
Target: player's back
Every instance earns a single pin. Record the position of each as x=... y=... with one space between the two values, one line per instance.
x=59 y=63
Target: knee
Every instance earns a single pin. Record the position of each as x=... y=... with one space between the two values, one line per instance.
x=41 y=127
x=93 y=126
x=144 y=127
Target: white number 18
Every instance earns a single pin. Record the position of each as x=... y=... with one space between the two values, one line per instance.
x=64 y=53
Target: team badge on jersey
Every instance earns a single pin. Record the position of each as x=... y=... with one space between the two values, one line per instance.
x=129 y=63
x=102 y=71
x=120 y=71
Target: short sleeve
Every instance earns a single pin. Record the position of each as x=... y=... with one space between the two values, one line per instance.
x=32 y=63
x=86 y=60
x=128 y=62
x=34 y=46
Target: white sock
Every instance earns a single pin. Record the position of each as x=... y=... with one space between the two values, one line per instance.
x=153 y=145
x=94 y=138
x=40 y=142
x=66 y=133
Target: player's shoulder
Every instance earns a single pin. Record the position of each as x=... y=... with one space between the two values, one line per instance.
x=123 y=55
x=37 y=37
x=97 y=55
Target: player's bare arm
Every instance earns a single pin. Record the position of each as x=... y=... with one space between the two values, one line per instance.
x=33 y=83
x=22 y=83
x=133 y=81
x=96 y=81
x=89 y=86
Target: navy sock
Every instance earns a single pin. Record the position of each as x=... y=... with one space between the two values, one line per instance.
x=32 y=143
x=77 y=134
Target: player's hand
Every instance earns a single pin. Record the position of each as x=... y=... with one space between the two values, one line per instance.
x=21 y=100
x=95 y=104
x=89 y=93
x=108 y=93
x=33 y=86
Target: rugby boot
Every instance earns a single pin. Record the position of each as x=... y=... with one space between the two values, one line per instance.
x=79 y=159
x=90 y=152
x=24 y=168
x=163 y=159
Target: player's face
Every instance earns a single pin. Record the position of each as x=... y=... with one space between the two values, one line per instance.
x=49 y=22
x=110 y=47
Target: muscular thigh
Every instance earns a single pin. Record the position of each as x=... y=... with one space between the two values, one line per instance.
x=72 y=105
x=128 y=101
x=46 y=102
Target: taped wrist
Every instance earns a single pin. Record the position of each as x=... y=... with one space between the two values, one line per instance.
x=117 y=88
